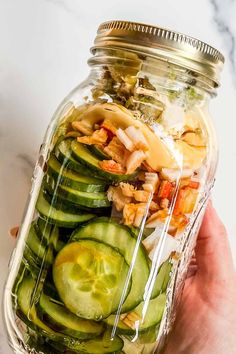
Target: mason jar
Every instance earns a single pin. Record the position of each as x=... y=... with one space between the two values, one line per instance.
x=117 y=197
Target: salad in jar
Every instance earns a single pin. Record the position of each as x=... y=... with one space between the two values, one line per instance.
x=122 y=184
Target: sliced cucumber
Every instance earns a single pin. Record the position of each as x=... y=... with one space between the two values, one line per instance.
x=65 y=205
x=63 y=153
x=136 y=347
x=91 y=200
x=135 y=318
x=59 y=217
x=39 y=345
x=42 y=251
x=49 y=288
x=73 y=179
x=31 y=261
x=119 y=237
x=47 y=233
x=21 y=274
x=58 y=317
x=57 y=340
x=50 y=234
x=82 y=154
x=162 y=279
x=88 y=273
x=24 y=298
x=100 y=345
x=98 y=152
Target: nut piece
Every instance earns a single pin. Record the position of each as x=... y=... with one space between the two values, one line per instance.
x=14 y=231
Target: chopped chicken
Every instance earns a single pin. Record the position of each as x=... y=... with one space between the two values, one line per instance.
x=108 y=125
x=154 y=206
x=141 y=196
x=137 y=138
x=99 y=137
x=129 y=213
x=133 y=213
x=177 y=224
x=128 y=190
x=156 y=218
x=116 y=150
x=135 y=160
x=115 y=195
x=164 y=203
x=82 y=126
x=124 y=139
x=139 y=215
x=111 y=166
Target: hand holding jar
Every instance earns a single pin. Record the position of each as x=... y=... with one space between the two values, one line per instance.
x=206 y=319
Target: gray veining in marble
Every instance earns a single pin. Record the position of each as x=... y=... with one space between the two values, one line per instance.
x=64 y=5
x=223 y=17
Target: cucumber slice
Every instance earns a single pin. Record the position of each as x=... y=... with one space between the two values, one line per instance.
x=63 y=154
x=59 y=217
x=50 y=233
x=24 y=297
x=88 y=273
x=73 y=179
x=40 y=249
x=40 y=346
x=91 y=200
x=31 y=261
x=98 y=152
x=28 y=314
x=162 y=279
x=135 y=318
x=47 y=233
x=82 y=154
x=65 y=205
x=119 y=237
x=99 y=345
x=138 y=348
x=58 y=317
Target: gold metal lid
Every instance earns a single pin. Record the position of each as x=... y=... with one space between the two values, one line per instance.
x=167 y=45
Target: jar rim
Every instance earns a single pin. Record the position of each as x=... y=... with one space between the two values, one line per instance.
x=171 y=46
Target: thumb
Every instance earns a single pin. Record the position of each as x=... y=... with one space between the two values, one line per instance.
x=213 y=254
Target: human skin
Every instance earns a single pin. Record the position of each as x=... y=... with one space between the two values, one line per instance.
x=206 y=319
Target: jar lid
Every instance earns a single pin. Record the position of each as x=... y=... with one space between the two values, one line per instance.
x=170 y=46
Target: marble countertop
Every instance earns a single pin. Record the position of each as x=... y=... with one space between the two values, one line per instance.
x=43 y=53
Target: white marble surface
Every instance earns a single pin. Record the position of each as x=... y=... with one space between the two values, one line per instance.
x=44 y=45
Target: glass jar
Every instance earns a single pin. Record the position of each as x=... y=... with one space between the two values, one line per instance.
x=117 y=198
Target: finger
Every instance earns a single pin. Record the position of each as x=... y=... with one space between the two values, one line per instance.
x=192 y=270
x=213 y=254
